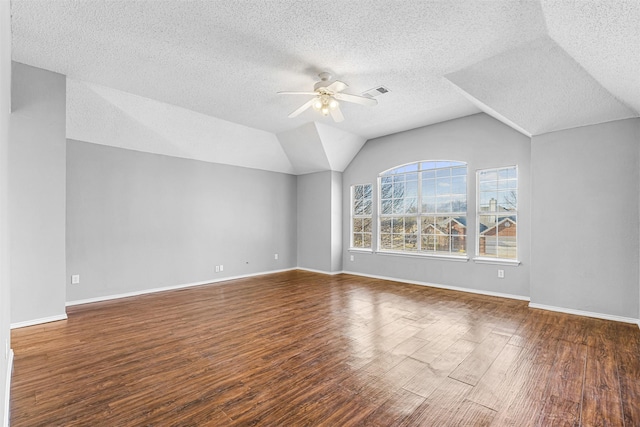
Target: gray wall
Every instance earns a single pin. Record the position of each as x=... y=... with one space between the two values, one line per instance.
x=37 y=194
x=585 y=218
x=5 y=114
x=320 y=221
x=336 y=221
x=482 y=142
x=314 y=221
x=139 y=221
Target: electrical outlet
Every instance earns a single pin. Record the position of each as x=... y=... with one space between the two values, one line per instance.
x=75 y=279
x=221 y=267
x=217 y=269
x=352 y=258
x=500 y=274
x=275 y=256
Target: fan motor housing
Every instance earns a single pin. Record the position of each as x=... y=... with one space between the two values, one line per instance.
x=325 y=80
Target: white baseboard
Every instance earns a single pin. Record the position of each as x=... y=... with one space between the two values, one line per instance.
x=510 y=296
x=436 y=285
x=39 y=321
x=171 y=288
x=585 y=313
x=330 y=273
x=7 y=390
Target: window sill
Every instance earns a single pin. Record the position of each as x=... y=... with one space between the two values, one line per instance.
x=496 y=261
x=360 y=250
x=454 y=258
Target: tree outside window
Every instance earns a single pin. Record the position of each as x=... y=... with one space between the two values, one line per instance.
x=361 y=216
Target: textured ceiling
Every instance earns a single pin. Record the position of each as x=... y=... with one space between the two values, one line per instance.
x=227 y=59
x=109 y=117
x=604 y=38
x=571 y=97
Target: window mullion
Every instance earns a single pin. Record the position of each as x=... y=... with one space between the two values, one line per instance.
x=419 y=215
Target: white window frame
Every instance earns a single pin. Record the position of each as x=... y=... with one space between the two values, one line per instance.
x=353 y=216
x=483 y=259
x=419 y=214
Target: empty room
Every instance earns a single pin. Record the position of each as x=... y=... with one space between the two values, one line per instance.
x=329 y=213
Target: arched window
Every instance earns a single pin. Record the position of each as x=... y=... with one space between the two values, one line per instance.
x=423 y=208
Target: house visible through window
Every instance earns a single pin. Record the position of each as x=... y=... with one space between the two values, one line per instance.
x=498 y=213
x=361 y=216
x=423 y=208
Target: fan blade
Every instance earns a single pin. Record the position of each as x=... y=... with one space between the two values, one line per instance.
x=356 y=99
x=336 y=114
x=337 y=86
x=297 y=93
x=302 y=108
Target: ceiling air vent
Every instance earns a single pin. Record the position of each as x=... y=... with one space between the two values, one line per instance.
x=376 y=91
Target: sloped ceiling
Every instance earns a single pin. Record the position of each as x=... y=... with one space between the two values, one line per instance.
x=538 y=65
x=304 y=149
x=604 y=38
x=109 y=117
x=316 y=147
x=572 y=97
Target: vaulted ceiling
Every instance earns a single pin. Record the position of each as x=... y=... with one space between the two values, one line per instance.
x=199 y=79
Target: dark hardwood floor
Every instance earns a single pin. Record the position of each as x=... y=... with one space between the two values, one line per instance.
x=304 y=349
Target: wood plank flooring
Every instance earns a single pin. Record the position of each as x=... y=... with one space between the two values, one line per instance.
x=305 y=349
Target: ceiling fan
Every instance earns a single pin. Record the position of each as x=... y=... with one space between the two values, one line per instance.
x=326 y=94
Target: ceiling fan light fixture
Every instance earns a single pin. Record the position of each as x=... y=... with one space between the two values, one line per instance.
x=324 y=103
x=326 y=96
